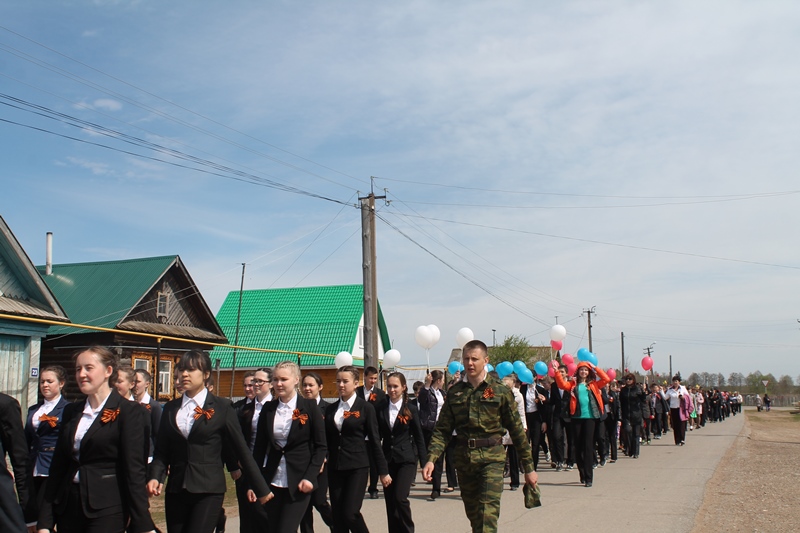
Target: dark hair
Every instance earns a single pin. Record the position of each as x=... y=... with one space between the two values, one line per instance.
x=349 y=368
x=313 y=375
x=402 y=378
x=266 y=370
x=145 y=375
x=58 y=370
x=436 y=375
x=370 y=370
x=211 y=382
x=417 y=385
x=630 y=376
x=249 y=374
x=475 y=345
x=676 y=377
x=194 y=360
x=128 y=371
x=105 y=356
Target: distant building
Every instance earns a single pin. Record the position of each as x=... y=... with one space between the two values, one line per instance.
x=316 y=320
x=23 y=294
x=154 y=295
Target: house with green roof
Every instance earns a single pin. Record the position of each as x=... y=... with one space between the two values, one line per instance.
x=146 y=297
x=24 y=299
x=309 y=324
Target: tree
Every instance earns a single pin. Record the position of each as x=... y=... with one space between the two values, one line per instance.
x=517 y=348
x=705 y=378
x=785 y=384
x=736 y=379
x=753 y=381
x=694 y=379
x=720 y=380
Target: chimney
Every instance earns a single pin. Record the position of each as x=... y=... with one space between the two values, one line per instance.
x=48 y=269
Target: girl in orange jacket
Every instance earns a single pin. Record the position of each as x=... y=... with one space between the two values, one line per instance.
x=586 y=409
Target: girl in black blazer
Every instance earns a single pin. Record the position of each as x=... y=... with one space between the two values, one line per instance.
x=312 y=390
x=347 y=423
x=291 y=438
x=403 y=447
x=97 y=476
x=41 y=430
x=196 y=431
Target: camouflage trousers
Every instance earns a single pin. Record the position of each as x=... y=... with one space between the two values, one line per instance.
x=481 y=489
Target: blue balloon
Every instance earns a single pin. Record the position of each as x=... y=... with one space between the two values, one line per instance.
x=489 y=367
x=519 y=367
x=503 y=369
x=591 y=358
x=541 y=368
x=453 y=367
x=526 y=376
x=460 y=366
x=582 y=354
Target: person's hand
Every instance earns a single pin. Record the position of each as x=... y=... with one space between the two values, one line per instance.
x=531 y=478
x=542 y=399
x=427 y=471
x=236 y=474
x=264 y=499
x=428 y=380
x=386 y=480
x=305 y=486
x=154 y=487
x=544 y=427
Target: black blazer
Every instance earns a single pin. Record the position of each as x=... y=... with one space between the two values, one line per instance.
x=305 y=447
x=12 y=442
x=111 y=465
x=398 y=441
x=428 y=407
x=153 y=421
x=347 y=448
x=559 y=403
x=195 y=464
x=42 y=441
x=376 y=397
x=542 y=408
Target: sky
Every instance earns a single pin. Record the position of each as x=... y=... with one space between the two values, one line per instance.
x=539 y=159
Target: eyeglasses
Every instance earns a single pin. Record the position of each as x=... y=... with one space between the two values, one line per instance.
x=258 y=382
x=248 y=386
x=628 y=379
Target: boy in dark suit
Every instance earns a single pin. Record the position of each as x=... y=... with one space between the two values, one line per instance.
x=12 y=442
x=374 y=395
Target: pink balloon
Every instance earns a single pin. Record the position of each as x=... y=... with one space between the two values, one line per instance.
x=551 y=372
x=571 y=368
x=612 y=373
x=556 y=345
x=647 y=363
x=567 y=359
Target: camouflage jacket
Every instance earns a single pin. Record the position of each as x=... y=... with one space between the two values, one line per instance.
x=480 y=413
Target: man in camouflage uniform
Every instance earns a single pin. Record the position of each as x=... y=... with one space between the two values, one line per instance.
x=480 y=409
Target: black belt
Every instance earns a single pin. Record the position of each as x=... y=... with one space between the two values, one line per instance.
x=482 y=443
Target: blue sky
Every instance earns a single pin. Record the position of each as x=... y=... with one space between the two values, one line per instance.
x=550 y=157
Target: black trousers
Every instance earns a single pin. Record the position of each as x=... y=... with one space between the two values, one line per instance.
x=558 y=440
x=284 y=513
x=571 y=441
x=600 y=440
x=398 y=508
x=438 y=465
x=449 y=464
x=318 y=501
x=11 y=517
x=678 y=425
x=583 y=430
x=252 y=516
x=192 y=513
x=373 y=475
x=347 y=496
x=74 y=521
x=534 y=421
x=513 y=465
x=633 y=430
x=611 y=436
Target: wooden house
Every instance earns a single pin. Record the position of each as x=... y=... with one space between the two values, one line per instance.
x=304 y=320
x=23 y=295
x=153 y=296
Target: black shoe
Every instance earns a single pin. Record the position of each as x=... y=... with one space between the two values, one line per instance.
x=373 y=495
x=588 y=484
x=435 y=494
x=514 y=488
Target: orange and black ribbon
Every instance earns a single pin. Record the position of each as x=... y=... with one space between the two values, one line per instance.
x=488 y=394
x=403 y=419
x=373 y=397
x=147 y=406
x=52 y=420
x=301 y=417
x=199 y=412
x=348 y=414
x=109 y=415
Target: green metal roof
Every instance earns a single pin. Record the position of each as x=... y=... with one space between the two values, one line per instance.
x=102 y=293
x=320 y=320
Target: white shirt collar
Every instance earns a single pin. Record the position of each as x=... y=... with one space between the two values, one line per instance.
x=49 y=404
x=146 y=398
x=398 y=404
x=349 y=401
x=291 y=404
x=87 y=408
x=199 y=398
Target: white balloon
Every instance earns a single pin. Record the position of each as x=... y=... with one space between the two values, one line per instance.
x=423 y=336
x=343 y=359
x=463 y=336
x=436 y=335
x=558 y=333
x=391 y=358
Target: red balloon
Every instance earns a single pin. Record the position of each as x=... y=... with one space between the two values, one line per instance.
x=571 y=368
x=551 y=372
x=556 y=345
x=612 y=373
x=567 y=359
x=647 y=363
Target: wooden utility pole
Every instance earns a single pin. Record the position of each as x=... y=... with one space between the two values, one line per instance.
x=236 y=338
x=622 y=345
x=369 y=259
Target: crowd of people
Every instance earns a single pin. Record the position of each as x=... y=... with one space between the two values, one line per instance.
x=90 y=466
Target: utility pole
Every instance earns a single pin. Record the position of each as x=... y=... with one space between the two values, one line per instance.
x=649 y=350
x=236 y=336
x=369 y=259
x=589 y=312
x=622 y=349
